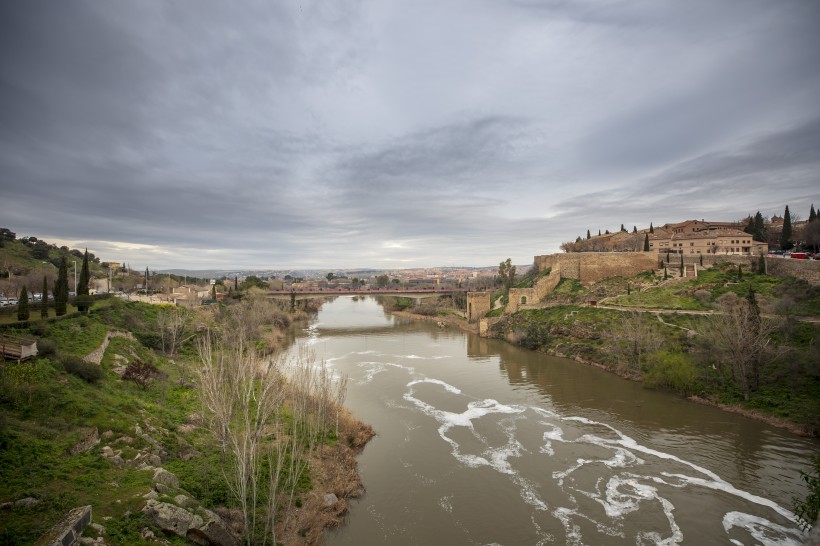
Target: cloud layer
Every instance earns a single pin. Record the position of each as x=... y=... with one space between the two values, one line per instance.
x=385 y=134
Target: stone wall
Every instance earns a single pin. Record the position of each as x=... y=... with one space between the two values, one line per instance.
x=808 y=270
x=591 y=267
x=68 y=530
x=478 y=304
x=520 y=297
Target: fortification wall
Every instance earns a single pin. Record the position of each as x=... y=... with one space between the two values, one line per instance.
x=808 y=270
x=478 y=304
x=520 y=297
x=590 y=267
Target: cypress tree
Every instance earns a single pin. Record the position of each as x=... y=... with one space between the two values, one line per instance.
x=22 y=305
x=634 y=229
x=651 y=229
x=701 y=260
x=665 y=273
x=760 y=228
x=146 y=280
x=236 y=283
x=750 y=226
x=761 y=264
x=213 y=292
x=681 y=266
x=739 y=272
x=83 y=299
x=812 y=214
x=599 y=233
x=44 y=300
x=623 y=228
x=646 y=242
x=61 y=289
x=786 y=235
x=588 y=236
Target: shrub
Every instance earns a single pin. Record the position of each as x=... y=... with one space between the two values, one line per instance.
x=141 y=373
x=703 y=296
x=671 y=370
x=150 y=340
x=87 y=371
x=46 y=347
x=806 y=510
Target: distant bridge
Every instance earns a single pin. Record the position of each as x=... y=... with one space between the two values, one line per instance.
x=414 y=293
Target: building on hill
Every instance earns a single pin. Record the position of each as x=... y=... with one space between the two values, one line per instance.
x=707 y=241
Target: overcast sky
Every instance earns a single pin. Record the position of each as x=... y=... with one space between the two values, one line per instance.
x=386 y=133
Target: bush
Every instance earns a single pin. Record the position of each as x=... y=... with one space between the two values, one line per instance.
x=806 y=510
x=87 y=371
x=671 y=370
x=141 y=373
x=703 y=296
x=150 y=340
x=46 y=347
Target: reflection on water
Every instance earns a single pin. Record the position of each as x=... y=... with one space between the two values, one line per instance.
x=480 y=442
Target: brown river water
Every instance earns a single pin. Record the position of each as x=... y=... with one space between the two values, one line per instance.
x=481 y=442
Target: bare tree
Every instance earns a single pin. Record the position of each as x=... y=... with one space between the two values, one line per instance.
x=173 y=325
x=740 y=339
x=633 y=339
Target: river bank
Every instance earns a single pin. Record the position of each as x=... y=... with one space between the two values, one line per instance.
x=797 y=428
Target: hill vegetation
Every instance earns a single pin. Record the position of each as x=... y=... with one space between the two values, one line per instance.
x=729 y=336
x=127 y=429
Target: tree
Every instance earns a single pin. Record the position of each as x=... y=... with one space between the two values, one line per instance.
x=623 y=228
x=22 y=304
x=213 y=292
x=811 y=234
x=44 y=299
x=632 y=340
x=739 y=340
x=61 y=289
x=588 y=235
x=759 y=228
x=806 y=510
x=651 y=229
x=506 y=272
x=330 y=276
x=634 y=229
x=599 y=233
x=812 y=214
x=83 y=298
x=646 y=242
x=382 y=281
x=786 y=235
x=682 y=270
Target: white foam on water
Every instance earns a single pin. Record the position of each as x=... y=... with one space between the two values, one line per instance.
x=763 y=530
x=417 y=357
x=446 y=503
x=728 y=488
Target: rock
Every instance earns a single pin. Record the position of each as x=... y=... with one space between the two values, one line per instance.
x=99 y=528
x=169 y=518
x=189 y=453
x=90 y=438
x=137 y=430
x=28 y=501
x=162 y=488
x=6 y=505
x=212 y=531
x=108 y=434
x=107 y=452
x=164 y=477
x=154 y=460
x=151 y=495
x=147 y=533
x=182 y=500
x=117 y=460
x=125 y=439
x=330 y=499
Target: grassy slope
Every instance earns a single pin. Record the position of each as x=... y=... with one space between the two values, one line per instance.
x=44 y=411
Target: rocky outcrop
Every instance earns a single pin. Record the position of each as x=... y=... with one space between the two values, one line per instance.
x=200 y=526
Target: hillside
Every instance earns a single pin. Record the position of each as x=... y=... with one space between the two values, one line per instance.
x=129 y=435
x=667 y=333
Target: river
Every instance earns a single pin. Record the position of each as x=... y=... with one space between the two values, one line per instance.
x=481 y=442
